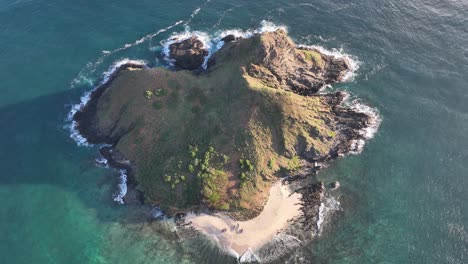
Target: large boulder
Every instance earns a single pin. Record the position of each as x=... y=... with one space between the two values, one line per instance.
x=188 y=54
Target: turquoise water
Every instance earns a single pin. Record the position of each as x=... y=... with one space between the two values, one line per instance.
x=403 y=199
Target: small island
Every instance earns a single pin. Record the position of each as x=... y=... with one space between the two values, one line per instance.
x=217 y=132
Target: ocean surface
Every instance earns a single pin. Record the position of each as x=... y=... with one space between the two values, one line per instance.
x=403 y=200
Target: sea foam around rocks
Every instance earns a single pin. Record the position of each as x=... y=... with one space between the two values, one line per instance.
x=368 y=131
x=72 y=125
x=213 y=41
x=122 y=187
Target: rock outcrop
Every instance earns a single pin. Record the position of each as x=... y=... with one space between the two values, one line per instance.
x=188 y=54
x=279 y=63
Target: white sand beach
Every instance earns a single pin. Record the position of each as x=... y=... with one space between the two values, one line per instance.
x=240 y=236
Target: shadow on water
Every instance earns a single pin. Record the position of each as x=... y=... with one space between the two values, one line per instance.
x=36 y=150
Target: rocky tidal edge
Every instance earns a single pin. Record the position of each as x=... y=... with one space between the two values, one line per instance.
x=355 y=123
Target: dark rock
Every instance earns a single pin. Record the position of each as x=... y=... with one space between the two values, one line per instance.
x=335 y=185
x=305 y=226
x=188 y=54
x=156 y=213
x=229 y=38
x=85 y=118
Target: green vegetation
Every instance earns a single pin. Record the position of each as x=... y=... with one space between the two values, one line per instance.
x=246 y=164
x=313 y=56
x=148 y=94
x=208 y=168
x=158 y=105
x=160 y=92
x=218 y=138
x=294 y=164
x=246 y=173
x=271 y=163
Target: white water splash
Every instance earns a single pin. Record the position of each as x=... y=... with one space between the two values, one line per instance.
x=102 y=162
x=280 y=245
x=203 y=37
x=352 y=61
x=72 y=125
x=83 y=75
x=213 y=42
x=122 y=187
x=367 y=132
x=327 y=207
x=248 y=256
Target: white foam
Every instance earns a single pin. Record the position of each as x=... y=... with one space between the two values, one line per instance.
x=181 y=36
x=122 y=187
x=352 y=61
x=213 y=42
x=72 y=125
x=102 y=162
x=327 y=207
x=372 y=125
x=248 y=256
x=92 y=66
x=114 y=67
x=369 y=130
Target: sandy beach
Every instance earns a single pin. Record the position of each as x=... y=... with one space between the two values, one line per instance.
x=240 y=236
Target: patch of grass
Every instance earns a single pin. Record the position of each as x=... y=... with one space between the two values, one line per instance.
x=313 y=56
x=272 y=163
x=294 y=164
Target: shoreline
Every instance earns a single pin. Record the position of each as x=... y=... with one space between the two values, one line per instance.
x=284 y=208
x=240 y=237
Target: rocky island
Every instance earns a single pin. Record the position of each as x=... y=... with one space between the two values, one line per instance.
x=215 y=133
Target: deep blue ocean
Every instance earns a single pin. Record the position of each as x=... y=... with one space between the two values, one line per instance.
x=403 y=200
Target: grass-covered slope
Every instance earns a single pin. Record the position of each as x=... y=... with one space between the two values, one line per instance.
x=222 y=137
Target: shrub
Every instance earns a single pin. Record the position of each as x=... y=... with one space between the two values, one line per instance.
x=160 y=92
x=193 y=150
x=294 y=164
x=167 y=178
x=243 y=177
x=191 y=168
x=224 y=207
x=148 y=94
x=271 y=163
x=249 y=165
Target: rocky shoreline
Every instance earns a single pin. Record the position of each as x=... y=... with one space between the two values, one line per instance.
x=273 y=70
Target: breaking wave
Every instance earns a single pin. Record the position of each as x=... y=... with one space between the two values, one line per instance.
x=353 y=62
x=248 y=256
x=328 y=206
x=91 y=67
x=102 y=162
x=368 y=131
x=213 y=41
x=72 y=125
x=122 y=187
x=280 y=245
